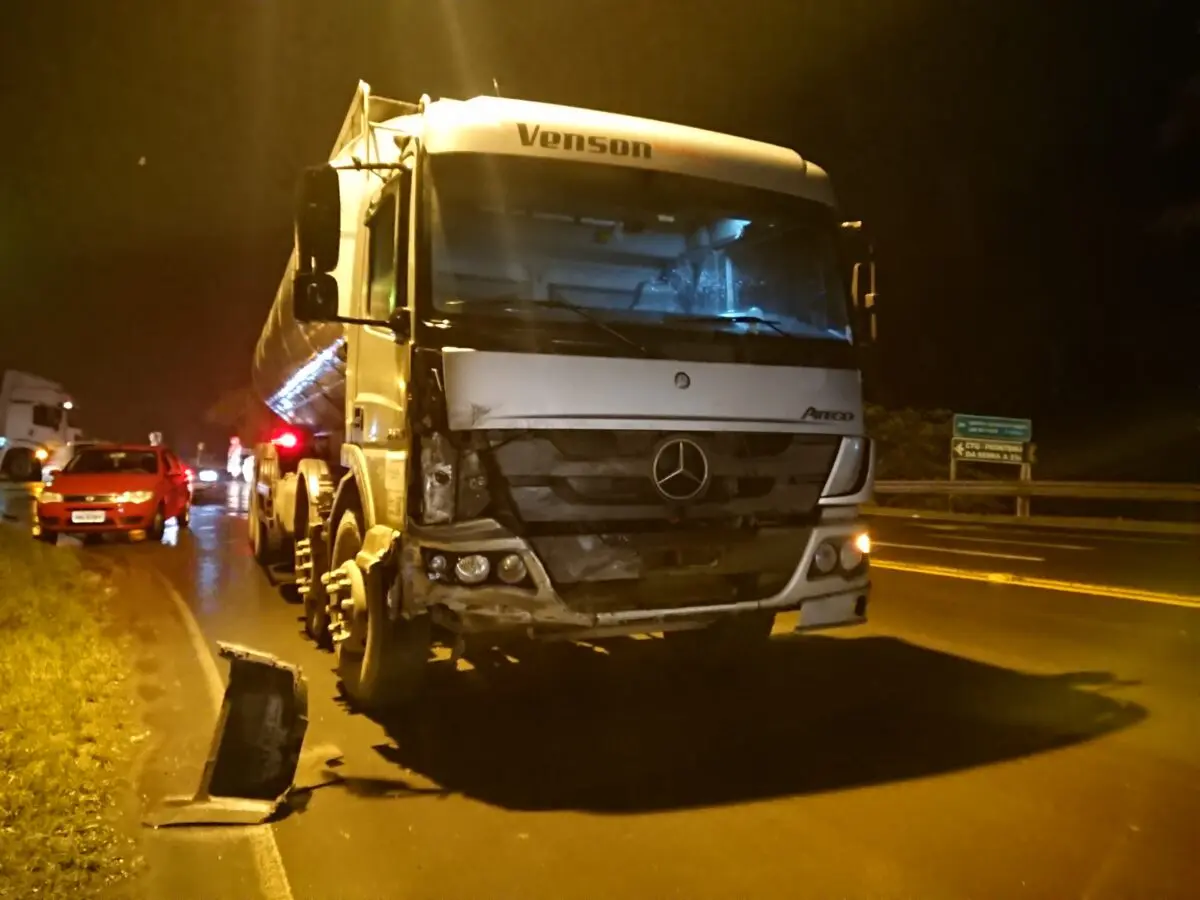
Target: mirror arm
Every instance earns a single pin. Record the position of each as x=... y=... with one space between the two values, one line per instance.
x=374 y=323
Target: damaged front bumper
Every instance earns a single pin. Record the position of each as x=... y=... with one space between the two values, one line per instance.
x=538 y=608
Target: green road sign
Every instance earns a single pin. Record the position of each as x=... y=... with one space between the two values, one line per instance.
x=1015 y=430
x=971 y=450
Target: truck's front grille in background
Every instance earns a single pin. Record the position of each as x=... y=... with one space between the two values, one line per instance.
x=556 y=477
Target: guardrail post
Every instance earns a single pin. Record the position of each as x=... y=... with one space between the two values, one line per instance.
x=1023 y=499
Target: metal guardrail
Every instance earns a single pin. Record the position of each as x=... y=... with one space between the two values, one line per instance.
x=1156 y=492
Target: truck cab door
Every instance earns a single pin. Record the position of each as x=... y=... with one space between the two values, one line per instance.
x=378 y=376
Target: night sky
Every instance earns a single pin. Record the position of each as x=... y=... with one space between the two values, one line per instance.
x=1012 y=158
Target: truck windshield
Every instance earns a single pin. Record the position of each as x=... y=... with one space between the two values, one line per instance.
x=662 y=259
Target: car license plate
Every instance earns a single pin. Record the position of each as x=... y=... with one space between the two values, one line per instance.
x=88 y=516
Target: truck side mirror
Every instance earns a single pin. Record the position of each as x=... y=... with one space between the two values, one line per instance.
x=857 y=245
x=862 y=292
x=319 y=220
x=314 y=297
x=400 y=322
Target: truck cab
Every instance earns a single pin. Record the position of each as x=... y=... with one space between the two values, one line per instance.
x=578 y=375
x=35 y=414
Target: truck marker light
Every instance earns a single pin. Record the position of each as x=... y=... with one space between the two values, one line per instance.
x=286 y=440
x=437 y=567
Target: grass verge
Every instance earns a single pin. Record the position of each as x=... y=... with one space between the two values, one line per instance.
x=67 y=722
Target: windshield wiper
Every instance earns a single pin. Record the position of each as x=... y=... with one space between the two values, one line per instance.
x=558 y=303
x=735 y=320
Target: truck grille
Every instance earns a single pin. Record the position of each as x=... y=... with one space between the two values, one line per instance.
x=586 y=478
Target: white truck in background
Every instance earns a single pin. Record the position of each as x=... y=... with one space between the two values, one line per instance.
x=553 y=373
x=35 y=427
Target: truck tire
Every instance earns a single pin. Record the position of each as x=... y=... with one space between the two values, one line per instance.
x=388 y=668
x=726 y=640
x=266 y=550
x=316 y=599
x=260 y=540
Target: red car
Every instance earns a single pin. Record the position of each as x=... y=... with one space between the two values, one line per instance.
x=115 y=488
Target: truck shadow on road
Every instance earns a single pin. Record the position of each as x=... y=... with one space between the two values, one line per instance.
x=572 y=728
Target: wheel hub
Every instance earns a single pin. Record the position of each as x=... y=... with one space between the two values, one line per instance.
x=304 y=566
x=347 y=592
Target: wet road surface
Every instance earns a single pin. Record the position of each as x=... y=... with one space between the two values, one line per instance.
x=974 y=740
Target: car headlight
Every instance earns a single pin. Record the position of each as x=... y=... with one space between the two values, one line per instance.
x=135 y=497
x=50 y=497
x=208 y=476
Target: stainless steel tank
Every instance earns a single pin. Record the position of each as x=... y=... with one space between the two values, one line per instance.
x=300 y=367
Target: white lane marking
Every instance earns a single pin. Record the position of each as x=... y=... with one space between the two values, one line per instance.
x=987 y=540
x=1046 y=584
x=958 y=551
x=272 y=876
x=1176 y=540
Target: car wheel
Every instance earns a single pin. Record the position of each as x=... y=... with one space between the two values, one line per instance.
x=184 y=519
x=158 y=526
x=48 y=537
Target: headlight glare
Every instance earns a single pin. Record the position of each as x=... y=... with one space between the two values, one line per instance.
x=135 y=497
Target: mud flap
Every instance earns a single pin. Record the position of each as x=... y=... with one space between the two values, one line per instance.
x=255 y=748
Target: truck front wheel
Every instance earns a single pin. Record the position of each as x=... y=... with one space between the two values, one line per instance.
x=381 y=663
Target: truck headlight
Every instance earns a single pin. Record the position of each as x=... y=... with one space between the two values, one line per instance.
x=438 y=457
x=825 y=559
x=511 y=569
x=472 y=569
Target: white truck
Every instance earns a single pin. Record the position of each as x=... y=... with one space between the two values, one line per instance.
x=559 y=374
x=35 y=428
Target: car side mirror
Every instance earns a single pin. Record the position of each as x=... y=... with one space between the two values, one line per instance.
x=314 y=297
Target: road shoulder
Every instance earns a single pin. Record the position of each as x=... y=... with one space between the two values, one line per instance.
x=179 y=715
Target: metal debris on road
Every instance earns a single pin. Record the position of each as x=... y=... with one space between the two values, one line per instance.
x=255 y=749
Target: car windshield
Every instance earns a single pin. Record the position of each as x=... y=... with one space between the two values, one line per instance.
x=647 y=253
x=100 y=462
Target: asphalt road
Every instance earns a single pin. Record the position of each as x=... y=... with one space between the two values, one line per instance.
x=1148 y=562
x=976 y=739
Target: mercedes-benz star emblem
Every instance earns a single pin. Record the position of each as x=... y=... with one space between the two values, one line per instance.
x=680 y=470
x=682 y=381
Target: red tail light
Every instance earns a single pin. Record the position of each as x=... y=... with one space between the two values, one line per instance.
x=286 y=440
